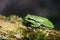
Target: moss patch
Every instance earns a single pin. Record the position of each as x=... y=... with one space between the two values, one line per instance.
x=12 y=28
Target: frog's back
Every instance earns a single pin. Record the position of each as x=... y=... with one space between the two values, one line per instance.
x=46 y=23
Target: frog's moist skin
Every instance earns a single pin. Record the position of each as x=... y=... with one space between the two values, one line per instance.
x=37 y=21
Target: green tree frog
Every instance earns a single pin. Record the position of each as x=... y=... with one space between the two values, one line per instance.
x=37 y=21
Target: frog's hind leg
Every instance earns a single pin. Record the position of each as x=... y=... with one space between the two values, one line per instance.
x=43 y=27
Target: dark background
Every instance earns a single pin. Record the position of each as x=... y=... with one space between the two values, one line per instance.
x=46 y=8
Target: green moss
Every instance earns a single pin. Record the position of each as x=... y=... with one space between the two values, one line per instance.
x=12 y=28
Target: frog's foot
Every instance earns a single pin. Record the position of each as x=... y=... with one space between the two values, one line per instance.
x=43 y=27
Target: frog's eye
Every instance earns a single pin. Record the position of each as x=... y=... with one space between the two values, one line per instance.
x=29 y=18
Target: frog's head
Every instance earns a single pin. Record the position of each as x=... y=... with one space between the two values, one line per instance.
x=30 y=19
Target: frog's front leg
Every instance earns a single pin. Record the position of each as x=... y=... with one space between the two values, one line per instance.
x=36 y=25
